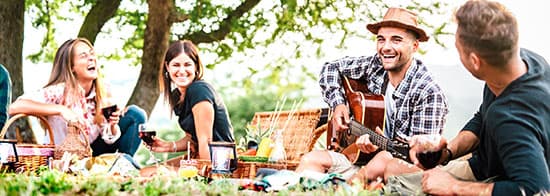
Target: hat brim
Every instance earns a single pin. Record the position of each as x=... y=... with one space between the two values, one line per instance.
x=373 y=28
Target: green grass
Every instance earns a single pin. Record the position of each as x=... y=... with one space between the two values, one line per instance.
x=53 y=182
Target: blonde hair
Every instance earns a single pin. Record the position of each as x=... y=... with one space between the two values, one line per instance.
x=62 y=73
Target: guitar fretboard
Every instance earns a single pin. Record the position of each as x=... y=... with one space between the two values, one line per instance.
x=358 y=129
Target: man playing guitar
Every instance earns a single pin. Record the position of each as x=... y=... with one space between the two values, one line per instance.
x=414 y=103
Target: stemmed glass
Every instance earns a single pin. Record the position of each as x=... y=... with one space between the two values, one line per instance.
x=431 y=153
x=107 y=112
x=146 y=134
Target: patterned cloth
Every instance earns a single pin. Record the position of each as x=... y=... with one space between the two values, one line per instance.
x=84 y=107
x=420 y=105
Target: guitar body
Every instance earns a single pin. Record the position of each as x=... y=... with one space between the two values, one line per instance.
x=366 y=108
x=368 y=111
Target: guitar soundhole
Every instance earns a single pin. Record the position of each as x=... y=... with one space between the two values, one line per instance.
x=429 y=159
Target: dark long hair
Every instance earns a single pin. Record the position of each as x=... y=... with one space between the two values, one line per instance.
x=174 y=50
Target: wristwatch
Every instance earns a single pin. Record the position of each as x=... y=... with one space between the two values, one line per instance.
x=449 y=156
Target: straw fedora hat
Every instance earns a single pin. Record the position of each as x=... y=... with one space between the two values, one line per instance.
x=399 y=17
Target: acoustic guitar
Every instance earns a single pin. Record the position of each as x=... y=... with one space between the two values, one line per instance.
x=368 y=111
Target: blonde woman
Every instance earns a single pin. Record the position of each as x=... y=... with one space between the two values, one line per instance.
x=75 y=92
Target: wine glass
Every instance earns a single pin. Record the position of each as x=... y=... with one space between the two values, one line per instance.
x=146 y=134
x=429 y=157
x=107 y=112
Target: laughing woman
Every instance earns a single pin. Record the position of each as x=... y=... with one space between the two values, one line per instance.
x=201 y=112
x=75 y=92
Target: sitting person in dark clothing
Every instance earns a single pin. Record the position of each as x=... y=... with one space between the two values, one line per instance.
x=509 y=137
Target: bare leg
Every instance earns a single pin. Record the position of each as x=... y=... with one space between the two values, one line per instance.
x=397 y=167
x=377 y=165
x=375 y=168
x=317 y=160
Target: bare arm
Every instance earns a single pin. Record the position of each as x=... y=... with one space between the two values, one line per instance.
x=462 y=144
x=203 y=113
x=43 y=109
x=439 y=182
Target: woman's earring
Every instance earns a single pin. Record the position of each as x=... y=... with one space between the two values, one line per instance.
x=166 y=74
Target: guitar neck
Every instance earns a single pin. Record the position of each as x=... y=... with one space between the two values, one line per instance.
x=358 y=129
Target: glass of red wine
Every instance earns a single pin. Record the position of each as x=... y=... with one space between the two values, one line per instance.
x=429 y=157
x=107 y=112
x=146 y=133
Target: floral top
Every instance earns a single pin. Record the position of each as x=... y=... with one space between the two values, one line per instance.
x=84 y=107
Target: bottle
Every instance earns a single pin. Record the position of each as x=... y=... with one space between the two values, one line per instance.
x=264 y=149
x=278 y=154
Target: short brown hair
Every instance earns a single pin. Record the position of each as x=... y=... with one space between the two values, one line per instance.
x=488 y=29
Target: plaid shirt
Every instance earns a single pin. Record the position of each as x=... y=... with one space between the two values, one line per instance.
x=5 y=94
x=420 y=105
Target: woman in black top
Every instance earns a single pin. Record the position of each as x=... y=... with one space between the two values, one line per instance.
x=201 y=112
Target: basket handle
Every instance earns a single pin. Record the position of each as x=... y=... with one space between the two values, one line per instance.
x=80 y=131
x=43 y=120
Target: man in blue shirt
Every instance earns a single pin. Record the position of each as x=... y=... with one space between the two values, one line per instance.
x=5 y=94
x=509 y=136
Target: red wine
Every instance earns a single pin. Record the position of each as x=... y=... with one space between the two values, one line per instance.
x=147 y=136
x=108 y=111
x=429 y=159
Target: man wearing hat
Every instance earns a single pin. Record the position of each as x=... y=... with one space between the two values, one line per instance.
x=414 y=103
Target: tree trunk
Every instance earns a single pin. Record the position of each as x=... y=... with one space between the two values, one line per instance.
x=101 y=12
x=155 y=43
x=12 y=15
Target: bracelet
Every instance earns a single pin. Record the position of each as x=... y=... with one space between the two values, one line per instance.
x=174 y=147
x=449 y=156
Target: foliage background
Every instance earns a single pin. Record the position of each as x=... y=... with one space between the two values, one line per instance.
x=274 y=49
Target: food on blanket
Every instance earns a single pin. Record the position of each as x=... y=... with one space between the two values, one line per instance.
x=264 y=149
x=251 y=152
x=247 y=158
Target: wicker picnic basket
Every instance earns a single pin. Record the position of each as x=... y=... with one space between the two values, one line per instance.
x=244 y=169
x=299 y=135
x=75 y=142
x=299 y=138
x=31 y=156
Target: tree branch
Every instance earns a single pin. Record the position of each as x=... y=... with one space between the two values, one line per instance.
x=100 y=13
x=176 y=16
x=225 y=26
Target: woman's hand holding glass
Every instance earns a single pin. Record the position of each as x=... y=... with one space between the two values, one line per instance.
x=109 y=128
x=148 y=136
